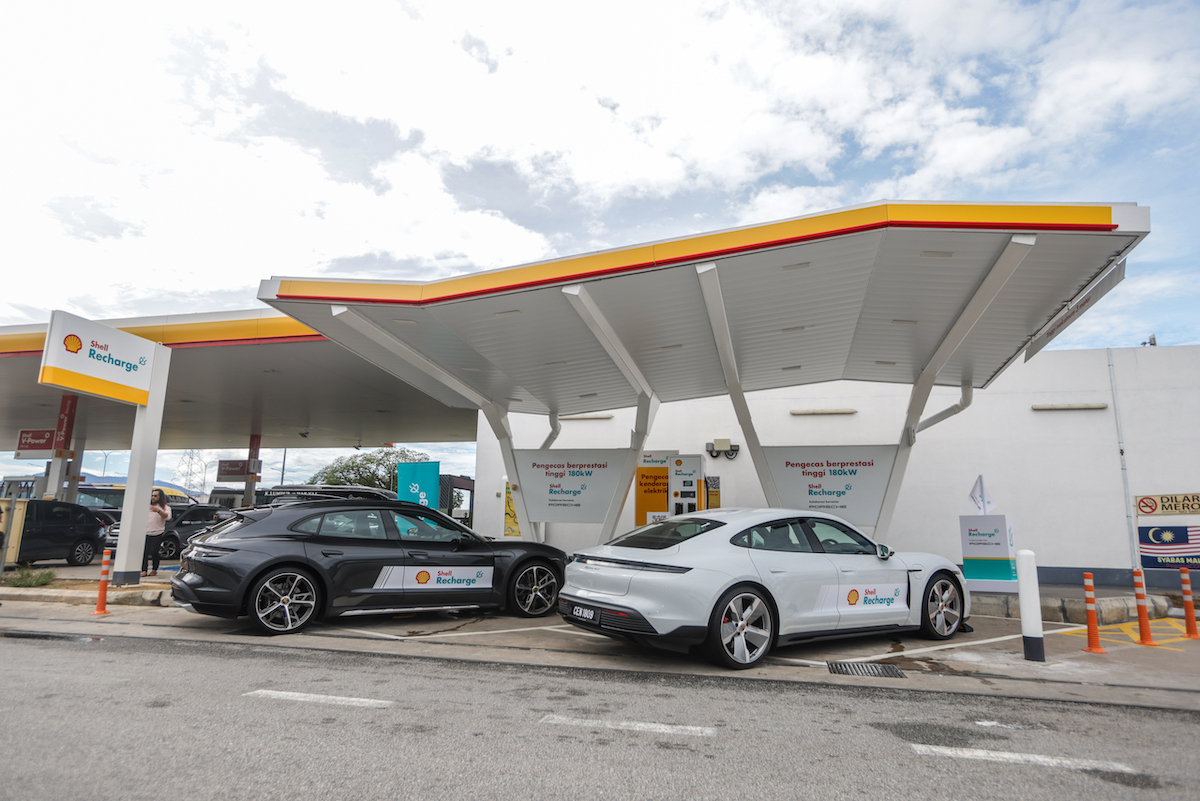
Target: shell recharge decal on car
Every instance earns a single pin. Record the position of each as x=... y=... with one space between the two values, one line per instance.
x=881 y=595
x=397 y=577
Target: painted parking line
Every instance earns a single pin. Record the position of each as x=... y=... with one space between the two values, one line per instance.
x=1164 y=630
x=629 y=725
x=1021 y=759
x=930 y=649
x=336 y=700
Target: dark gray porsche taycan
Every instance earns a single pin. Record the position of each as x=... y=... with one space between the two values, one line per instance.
x=288 y=565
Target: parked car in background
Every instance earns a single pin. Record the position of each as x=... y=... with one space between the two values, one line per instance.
x=288 y=565
x=185 y=521
x=60 y=530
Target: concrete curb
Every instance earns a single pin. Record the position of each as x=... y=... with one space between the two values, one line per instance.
x=115 y=597
x=1071 y=610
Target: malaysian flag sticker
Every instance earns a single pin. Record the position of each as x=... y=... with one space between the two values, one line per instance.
x=1171 y=547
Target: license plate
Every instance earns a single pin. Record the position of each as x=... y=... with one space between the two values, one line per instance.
x=585 y=613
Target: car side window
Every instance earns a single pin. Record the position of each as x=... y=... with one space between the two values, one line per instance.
x=358 y=524
x=839 y=539
x=780 y=535
x=414 y=527
x=59 y=513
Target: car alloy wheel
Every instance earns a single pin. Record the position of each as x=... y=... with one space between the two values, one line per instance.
x=82 y=553
x=741 y=629
x=283 y=601
x=168 y=548
x=534 y=590
x=943 y=608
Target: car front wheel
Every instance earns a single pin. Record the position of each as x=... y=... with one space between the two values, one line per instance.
x=534 y=590
x=942 y=608
x=168 y=548
x=741 y=628
x=284 y=600
x=82 y=553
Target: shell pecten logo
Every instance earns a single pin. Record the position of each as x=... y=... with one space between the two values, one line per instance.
x=852 y=598
x=423 y=577
x=73 y=343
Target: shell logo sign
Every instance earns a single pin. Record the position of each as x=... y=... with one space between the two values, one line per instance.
x=423 y=577
x=73 y=344
x=852 y=598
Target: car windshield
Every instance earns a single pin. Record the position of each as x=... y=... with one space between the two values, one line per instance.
x=666 y=533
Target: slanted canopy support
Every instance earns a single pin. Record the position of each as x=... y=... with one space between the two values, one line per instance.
x=496 y=415
x=710 y=286
x=647 y=401
x=1005 y=265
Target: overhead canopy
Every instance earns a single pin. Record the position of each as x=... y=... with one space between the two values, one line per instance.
x=871 y=293
x=235 y=374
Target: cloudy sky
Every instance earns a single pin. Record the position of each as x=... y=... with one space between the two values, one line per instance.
x=165 y=157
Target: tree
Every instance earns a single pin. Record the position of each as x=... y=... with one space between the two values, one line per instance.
x=376 y=468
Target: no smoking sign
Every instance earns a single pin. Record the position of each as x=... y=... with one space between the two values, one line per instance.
x=1147 y=505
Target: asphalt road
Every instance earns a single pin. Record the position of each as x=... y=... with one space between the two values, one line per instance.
x=124 y=718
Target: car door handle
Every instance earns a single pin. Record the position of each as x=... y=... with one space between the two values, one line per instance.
x=331 y=553
x=419 y=554
x=847 y=570
x=778 y=570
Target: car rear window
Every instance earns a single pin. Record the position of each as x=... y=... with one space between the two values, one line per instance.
x=666 y=533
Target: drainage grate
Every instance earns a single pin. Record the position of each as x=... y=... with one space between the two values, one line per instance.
x=865 y=669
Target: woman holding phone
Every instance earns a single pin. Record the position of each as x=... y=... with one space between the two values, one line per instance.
x=160 y=513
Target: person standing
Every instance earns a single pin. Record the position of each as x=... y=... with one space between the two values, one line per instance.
x=160 y=513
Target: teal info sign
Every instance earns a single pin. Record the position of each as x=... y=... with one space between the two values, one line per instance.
x=418 y=482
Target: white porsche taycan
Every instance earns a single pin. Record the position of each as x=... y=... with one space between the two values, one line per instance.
x=741 y=581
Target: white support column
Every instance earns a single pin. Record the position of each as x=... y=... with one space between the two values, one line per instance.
x=143 y=453
x=710 y=286
x=585 y=306
x=498 y=419
x=1002 y=269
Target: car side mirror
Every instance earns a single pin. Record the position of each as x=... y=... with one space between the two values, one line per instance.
x=883 y=552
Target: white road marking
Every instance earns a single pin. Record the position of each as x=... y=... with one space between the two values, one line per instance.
x=804 y=662
x=630 y=725
x=569 y=629
x=319 y=699
x=445 y=634
x=949 y=646
x=1025 y=759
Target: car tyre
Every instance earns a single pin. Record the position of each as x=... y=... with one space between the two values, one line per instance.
x=284 y=601
x=741 y=629
x=168 y=548
x=941 y=607
x=533 y=591
x=81 y=553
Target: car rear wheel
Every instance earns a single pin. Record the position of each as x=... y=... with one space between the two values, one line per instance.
x=81 y=553
x=534 y=590
x=741 y=628
x=942 y=609
x=284 y=600
x=168 y=548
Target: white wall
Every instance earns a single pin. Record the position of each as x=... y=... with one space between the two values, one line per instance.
x=1056 y=473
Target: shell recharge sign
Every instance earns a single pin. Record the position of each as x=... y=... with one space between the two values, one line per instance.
x=88 y=357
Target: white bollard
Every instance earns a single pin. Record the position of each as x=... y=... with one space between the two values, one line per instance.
x=1030 y=601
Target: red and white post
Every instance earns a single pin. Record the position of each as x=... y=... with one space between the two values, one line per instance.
x=102 y=598
x=1189 y=608
x=1139 y=588
x=1089 y=594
